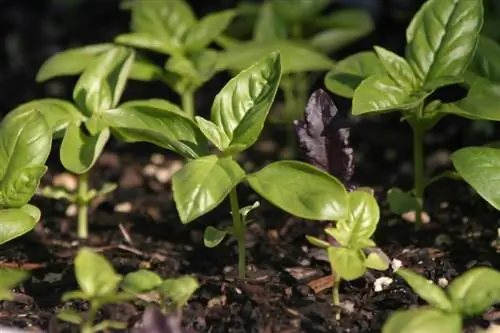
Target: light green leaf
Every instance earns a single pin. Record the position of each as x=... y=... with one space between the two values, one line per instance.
x=179 y=290
x=207 y=29
x=397 y=68
x=375 y=261
x=144 y=70
x=401 y=202
x=70 y=62
x=57 y=113
x=94 y=274
x=423 y=320
x=269 y=25
x=348 y=73
x=382 y=94
x=347 y=263
x=296 y=57
x=148 y=42
x=79 y=151
x=299 y=10
x=241 y=107
x=426 y=289
x=70 y=316
x=10 y=278
x=100 y=87
x=25 y=141
x=193 y=70
x=301 y=190
x=32 y=211
x=106 y=325
x=213 y=236
x=202 y=184
x=442 y=37
x=159 y=122
x=480 y=168
x=318 y=242
x=75 y=294
x=475 y=291
x=141 y=281
x=213 y=133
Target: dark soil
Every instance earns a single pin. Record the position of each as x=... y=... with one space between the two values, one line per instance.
x=276 y=297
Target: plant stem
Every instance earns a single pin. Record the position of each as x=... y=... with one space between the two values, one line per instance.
x=88 y=324
x=336 y=295
x=418 y=164
x=188 y=102
x=83 y=188
x=239 y=232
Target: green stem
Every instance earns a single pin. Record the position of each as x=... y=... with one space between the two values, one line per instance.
x=188 y=102
x=336 y=295
x=418 y=163
x=239 y=232
x=88 y=324
x=83 y=208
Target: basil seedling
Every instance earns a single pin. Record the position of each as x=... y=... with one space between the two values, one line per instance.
x=441 y=42
x=469 y=294
x=171 y=294
x=352 y=236
x=98 y=284
x=9 y=278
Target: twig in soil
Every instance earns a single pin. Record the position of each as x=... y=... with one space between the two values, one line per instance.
x=26 y=265
x=125 y=234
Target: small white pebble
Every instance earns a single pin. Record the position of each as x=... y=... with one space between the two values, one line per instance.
x=123 y=207
x=442 y=282
x=72 y=210
x=157 y=159
x=306 y=249
x=444 y=205
x=150 y=170
x=382 y=283
x=396 y=264
x=163 y=175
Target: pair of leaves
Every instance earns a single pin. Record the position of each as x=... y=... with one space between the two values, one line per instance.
x=177 y=290
x=471 y=293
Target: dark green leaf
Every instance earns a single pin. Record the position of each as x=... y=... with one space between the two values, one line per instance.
x=424 y=320
x=202 y=184
x=70 y=62
x=475 y=291
x=140 y=281
x=301 y=190
x=100 y=87
x=11 y=277
x=401 y=202
x=213 y=236
x=348 y=73
x=299 y=10
x=179 y=290
x=442 y=37
x=94 y=274
x=480 y=168
x=486 y=61
x=207 y=29
x=241 y=107
x=269 y=25
x=426 y=289
x=79 y=151
x=347 y=263
x=159 y=122
x=296 y=57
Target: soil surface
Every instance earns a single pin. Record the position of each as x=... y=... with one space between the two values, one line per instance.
x=137 y=225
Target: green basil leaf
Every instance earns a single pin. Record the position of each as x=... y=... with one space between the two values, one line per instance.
x=443 y=37
x=213 y=133
x=148 y=42
x=70 y=316
x=423 y=320
x=106 y=325
x=348 y=73
x=141 y=281
x=377 y=262
x=382 y=94
x=159 y=121
x=32 y=211
x=144 y=70
x=318 y=242
x=168 y=21
x=341 y=28
x=202 y=184
x=94 y=274
x=198 y=67
x=269 y=25
x=301 y=190
x=486 y=61
x=26 y=142
x=57 y=113
x=299 y=10
x=397 y=68
x=14 y=223
x=296 y=57
x=401 y=202
x=347 y=263
x=207 y=29
x=241 y=107
x=213 y=236
x=70 y=62
x=475 y=291
x=10 y=278
x=79 y=151
x=426 y=289
x=75 y=294
x=179 y=290
x=101 y=86
x=480 y=168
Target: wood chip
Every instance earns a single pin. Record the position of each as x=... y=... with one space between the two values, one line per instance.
x=323 y=283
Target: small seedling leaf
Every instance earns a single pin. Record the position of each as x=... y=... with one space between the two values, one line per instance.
x=70 y=316
x=347 y=263
x=14 y=222
x=213 y=236
x=375 y=261
x=10 y=278
x=207 y=29
x=423 y=320
x=105 y=325
x=401 y=202
x=318 y=242
x=179 y=290
x=141 y=281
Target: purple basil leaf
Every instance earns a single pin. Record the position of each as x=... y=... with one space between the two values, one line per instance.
x=324 y=138
x=155 y=321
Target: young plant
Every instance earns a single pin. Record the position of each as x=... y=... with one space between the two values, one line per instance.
x=469 y=294
x=441 y=42
x=9 y=278
x=171 y=294
x=352 y=237
x=98 y=284
x=26 y=139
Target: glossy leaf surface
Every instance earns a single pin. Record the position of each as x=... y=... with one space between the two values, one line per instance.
x=141 y=281
x=207 y=29
x=347 y=263
x=14 y=222
x=424 y=320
